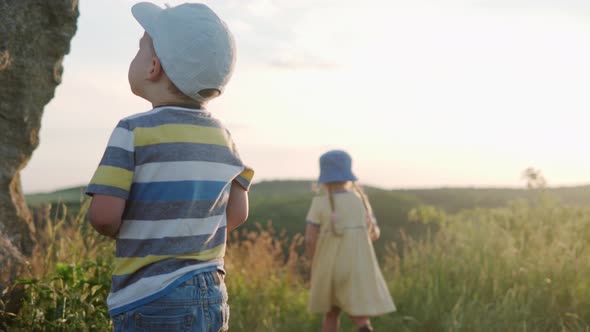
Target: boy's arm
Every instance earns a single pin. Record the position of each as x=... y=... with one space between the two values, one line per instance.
x=237 y=206
x=105 y=214
x=112 y=180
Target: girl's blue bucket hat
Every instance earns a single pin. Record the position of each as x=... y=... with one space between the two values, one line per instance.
x=336 y=166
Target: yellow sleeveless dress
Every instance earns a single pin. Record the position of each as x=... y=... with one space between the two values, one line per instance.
x=345 y=272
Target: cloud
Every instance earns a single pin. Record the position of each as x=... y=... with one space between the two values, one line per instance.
x=303 y=65
x=572 y=7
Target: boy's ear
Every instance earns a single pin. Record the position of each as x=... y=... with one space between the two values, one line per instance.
x=155 y=69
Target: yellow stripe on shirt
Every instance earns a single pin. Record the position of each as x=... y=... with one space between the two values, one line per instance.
x=247 y=174
x=175 y=133
x=113 y=176
x=128 y=265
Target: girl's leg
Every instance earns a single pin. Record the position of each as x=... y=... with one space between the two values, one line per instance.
x=331 y=320
x=362 y=323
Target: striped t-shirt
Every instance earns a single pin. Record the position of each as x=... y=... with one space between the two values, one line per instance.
x=174 y=166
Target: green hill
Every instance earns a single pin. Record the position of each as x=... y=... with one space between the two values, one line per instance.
x=457 y=199
x=73 y=195
x=448 y=199
x=285 y=204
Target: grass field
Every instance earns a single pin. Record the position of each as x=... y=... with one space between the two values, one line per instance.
x=520 y=267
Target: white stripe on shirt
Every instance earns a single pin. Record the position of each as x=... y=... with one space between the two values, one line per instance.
x=157 y=229
x=185 y=171
x=122 y=138
x=137 y=291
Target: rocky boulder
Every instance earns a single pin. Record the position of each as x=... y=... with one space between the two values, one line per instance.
x=34 y=37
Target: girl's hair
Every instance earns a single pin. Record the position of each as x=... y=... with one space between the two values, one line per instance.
x=365 y=200
x=332 y=210
x=357 y=189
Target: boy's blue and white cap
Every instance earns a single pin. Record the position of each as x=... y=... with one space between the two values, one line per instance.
x=336 y=166
x=194 y=45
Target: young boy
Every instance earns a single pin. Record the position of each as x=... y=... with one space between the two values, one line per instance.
x=171 y=184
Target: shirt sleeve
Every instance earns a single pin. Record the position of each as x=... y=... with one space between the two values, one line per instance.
x=314 y=215
x=244 y=179
x=114 y=175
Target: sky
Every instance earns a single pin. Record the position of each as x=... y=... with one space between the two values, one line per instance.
x=421 y=93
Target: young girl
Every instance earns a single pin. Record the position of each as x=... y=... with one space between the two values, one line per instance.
x=345 y=275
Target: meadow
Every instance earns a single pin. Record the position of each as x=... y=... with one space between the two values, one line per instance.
x=519 y=264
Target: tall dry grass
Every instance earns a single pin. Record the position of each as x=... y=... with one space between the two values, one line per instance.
x=267 y=282
x=524 y=267
x=520 y=268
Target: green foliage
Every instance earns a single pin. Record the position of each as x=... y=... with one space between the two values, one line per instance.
x=71 y=297
x=519 y=268
x=68 y=278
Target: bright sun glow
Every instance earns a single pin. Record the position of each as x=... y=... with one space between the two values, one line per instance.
x=421 y=94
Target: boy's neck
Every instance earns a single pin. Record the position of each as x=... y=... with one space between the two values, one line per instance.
x=179 y=104
x=158 y=95
x=175 y=102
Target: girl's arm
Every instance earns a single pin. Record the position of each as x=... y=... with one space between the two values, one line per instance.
x=374 y=231
x=311 y=239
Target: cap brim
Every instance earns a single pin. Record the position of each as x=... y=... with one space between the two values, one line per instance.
x=146 y=13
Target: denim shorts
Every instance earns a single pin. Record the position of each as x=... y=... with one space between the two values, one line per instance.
x=199 y=304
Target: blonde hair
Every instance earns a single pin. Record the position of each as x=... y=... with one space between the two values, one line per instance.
x=360 y=192
x=368 y=210
x=332 y=209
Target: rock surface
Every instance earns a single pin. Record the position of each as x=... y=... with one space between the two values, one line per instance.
x=34 y=37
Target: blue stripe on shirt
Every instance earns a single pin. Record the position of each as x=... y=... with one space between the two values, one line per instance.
x=175 y=117
x=118 y=157
x=185 y=152
x=100 y=189
x=170 y=191
x=137 y=210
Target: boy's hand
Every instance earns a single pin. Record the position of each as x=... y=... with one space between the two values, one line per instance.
x=105 y=214
x=237 y=206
